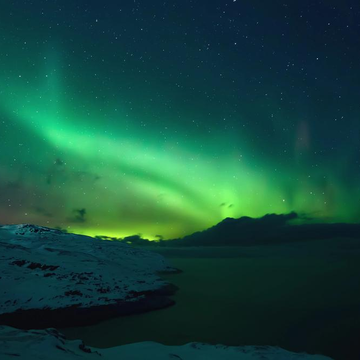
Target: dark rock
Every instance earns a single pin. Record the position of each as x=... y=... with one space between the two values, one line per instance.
x=76 y=315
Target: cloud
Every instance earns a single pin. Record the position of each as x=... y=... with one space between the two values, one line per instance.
x=229 y=206
x=79 y=216
x=14 y=185
x=40 y=210
x=59 y=172
x=59 y=162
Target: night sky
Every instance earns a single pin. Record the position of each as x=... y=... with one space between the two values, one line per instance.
x=162 y=118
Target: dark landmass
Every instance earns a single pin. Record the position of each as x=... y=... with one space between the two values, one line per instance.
x=267 y=230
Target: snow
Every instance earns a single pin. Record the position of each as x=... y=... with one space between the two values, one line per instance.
x=50 y=344
x=42 y=268
x=198 y=351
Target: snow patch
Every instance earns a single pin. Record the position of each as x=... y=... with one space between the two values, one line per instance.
x=50 y=344
x=42 y=268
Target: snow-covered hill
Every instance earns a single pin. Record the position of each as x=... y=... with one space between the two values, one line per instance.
x=49 y=278
x=50 y=344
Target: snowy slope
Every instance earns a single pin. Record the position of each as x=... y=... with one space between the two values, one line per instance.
x=50 y=344
x=45 y=269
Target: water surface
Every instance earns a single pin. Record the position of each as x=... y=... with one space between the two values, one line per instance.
x=300 y=297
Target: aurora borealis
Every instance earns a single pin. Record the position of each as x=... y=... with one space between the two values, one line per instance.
x=162 y=118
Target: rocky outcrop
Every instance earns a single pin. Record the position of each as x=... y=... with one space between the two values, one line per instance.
x=49 y=278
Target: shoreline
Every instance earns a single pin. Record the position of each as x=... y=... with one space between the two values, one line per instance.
x=77 y=316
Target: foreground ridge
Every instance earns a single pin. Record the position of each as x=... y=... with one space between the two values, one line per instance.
x=50 y=344
x=49 y=278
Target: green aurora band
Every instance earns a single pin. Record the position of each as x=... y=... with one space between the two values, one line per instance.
x=170 y=187
x=77 y=154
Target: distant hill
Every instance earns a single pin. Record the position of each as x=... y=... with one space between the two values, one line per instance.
x=269 y=229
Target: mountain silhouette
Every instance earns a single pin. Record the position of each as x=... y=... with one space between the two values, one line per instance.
x=269 y=229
